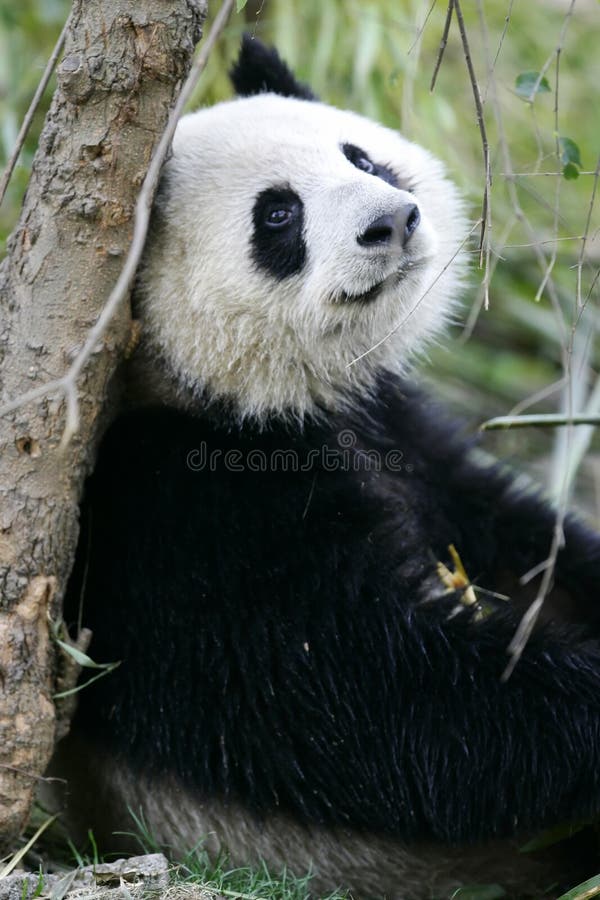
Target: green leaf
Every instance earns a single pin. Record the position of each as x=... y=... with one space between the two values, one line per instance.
x=583 y=891
x=240 y=4
x=85 y=661
x=569 y=152
x=570 y=172
x=106 y=668
x=479 y=892
x=80 y=657
x=525 y=85
x=570 y=157
x=39 y=888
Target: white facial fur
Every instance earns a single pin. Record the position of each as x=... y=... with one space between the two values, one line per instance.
x=231 y=330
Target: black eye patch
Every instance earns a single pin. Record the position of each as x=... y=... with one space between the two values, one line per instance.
x=362 y=161
x=278 y=245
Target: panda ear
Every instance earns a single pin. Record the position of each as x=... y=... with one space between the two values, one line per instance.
x=260 y=70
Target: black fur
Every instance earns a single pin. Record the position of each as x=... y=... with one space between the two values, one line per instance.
x=260 y=70
x=278 y=247
x=275 y=646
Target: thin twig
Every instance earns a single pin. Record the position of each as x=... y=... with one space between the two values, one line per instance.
x=511 y=182
x=556 y=50
x=546 y=174
x=543 y=394
x=542 y=420
x=482 y=299
x=484 y=290
x=502 y=36
x=410 y=74
x=558 y=184
x=442 y=46
x=586 y=232
x=67 y=385
x=552 y=240
x=593 y=283
x=519 y=214
x=420 y=30
x=32 y=775
x=527 y=623
x=486 y=206
x=39 y=93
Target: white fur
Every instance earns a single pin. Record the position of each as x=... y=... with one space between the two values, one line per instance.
x=104 y=792
x=224 y=325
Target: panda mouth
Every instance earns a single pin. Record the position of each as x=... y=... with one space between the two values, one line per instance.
x=367 y=297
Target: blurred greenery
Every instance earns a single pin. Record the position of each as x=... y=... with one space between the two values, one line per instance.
x=377 y=57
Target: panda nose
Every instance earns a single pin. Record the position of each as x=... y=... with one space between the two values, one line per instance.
x=400 y=225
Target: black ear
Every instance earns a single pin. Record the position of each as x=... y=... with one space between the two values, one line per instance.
x=260 y=70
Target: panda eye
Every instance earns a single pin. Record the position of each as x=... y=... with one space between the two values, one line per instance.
x=279 y=218
x=278 y=245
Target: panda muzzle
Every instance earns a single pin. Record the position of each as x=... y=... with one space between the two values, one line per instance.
x=395 y=228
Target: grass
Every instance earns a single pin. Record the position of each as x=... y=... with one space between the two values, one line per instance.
x=217 y=875
x=196 y=872
x=246 y=882
x=55 y=852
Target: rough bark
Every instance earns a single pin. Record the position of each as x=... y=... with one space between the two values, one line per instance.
x=123 y=65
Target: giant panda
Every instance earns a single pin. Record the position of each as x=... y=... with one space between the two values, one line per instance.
x=261 y=537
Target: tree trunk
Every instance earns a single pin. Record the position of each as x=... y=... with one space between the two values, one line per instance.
x=123 y=65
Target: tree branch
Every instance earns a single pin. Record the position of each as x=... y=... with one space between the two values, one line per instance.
x=39 y=93
x=67 y=384
x=124 y=64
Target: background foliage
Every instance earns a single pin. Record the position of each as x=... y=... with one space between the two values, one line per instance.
x=377 y=57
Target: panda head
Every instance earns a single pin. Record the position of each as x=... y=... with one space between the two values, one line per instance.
x=289 y=239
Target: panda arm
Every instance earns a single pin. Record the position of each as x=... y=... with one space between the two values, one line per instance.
x=519 y=531
x=500 y=525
